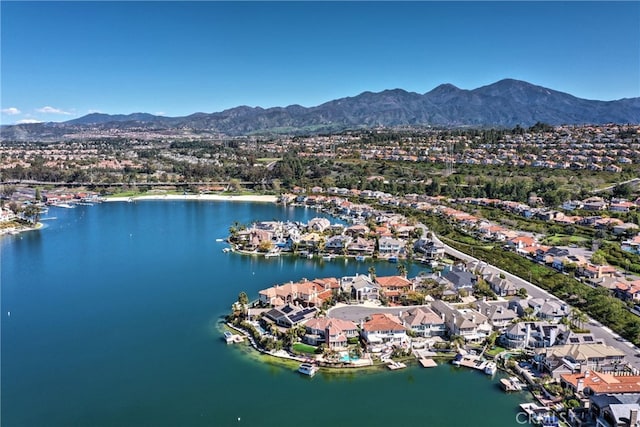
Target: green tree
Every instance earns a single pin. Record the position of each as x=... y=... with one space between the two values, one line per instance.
x=372 y=272
x=578 y=318
x=457 y=341
x=243 y=299
x=32 y=213
x=599 y=257
x=402 y=270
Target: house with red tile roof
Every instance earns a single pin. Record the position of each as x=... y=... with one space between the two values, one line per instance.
x=521 y=242
x=384 y=329
x=393 y=287
x=628 y=290
x=591 y=271
x=593 y=382
x=307 y=293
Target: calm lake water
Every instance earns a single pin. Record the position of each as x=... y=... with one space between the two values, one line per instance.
x=113 y=322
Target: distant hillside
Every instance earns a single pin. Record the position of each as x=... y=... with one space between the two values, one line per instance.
x=506 y=103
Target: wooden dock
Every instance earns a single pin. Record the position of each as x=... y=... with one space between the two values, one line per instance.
x=396 y=365
x=428 y=363
x=473 y=362
x=511 y=384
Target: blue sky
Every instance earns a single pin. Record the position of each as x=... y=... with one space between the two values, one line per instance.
x=64 y=60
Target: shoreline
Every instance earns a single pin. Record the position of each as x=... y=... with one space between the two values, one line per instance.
x=206 y=197
x=12 y=231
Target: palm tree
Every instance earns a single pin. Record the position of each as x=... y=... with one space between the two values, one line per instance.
x=372 y=272
x=578 y=318
x=402 y=270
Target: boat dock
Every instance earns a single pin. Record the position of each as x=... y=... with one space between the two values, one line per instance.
x=396 y=365
x=472 y=361
x=428 y=363
x=511 y=384
x=232 y=338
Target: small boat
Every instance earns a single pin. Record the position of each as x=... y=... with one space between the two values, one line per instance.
x=361 y=258
x=328 y=257
x=490 y=368
x=63 y=205
x=219 y=240
x=308 y=369
x=392 y=259
x=272 y=254
x=228 y=337
x=456 y=360
x=225 y=250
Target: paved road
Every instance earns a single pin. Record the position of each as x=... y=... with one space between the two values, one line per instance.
x=356 y=313
x=611 y=187
x=597 y=329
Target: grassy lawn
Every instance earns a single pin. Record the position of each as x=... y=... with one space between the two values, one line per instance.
x=495 y=350
x=129 y=193
x=267 y=159
x=564 y=240
x=303 y=348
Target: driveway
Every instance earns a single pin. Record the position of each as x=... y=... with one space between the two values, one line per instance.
x=357 y=313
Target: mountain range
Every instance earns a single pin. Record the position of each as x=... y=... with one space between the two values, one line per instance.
x=506 y=103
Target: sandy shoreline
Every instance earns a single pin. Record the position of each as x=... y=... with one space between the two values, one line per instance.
x=205 y=197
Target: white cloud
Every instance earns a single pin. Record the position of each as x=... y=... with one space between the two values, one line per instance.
x=11 y=111
x=52 y=110
x=28 y=121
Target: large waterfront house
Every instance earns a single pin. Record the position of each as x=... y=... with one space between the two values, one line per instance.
x=388 y=246
x=361 y=246
x=251 y=239
x=384 y=329
x=310 y=241
x=290 y=315
x=428 y=248
x=580 y=357
x=470 y=324
x=335 y=333
x=593 y=382
x=361 y=287
x=532 y=335
x=305 y=292
x=337 y=244
x=423 y=322
x=393 y=287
